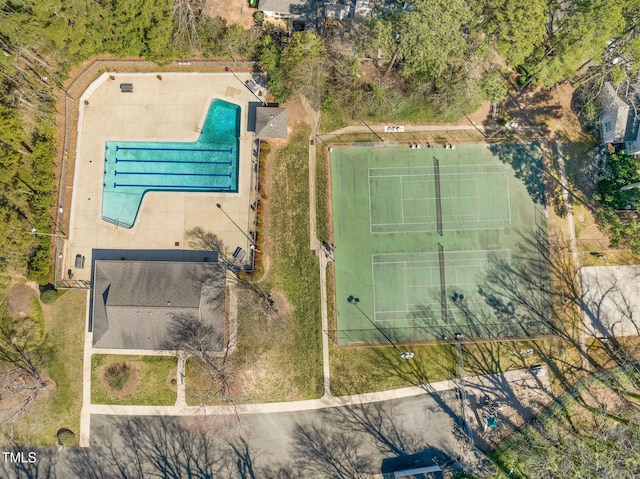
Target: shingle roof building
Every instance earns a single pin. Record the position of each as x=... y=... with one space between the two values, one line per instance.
x=134 y=302
x=614 y=115
x=271 y=122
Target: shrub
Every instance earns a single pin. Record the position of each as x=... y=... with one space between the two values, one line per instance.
x=49 y=296
x=66 y=437
x=117 y=375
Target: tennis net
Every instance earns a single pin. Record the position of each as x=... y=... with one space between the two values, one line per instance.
x=443 y=285
x=436 y=174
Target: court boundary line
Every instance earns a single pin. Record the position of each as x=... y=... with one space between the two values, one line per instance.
x=369 y=202
x=406 y=266
x=450 y=253
x=373 y=290
x=505 y=223
x=501 y=166
x=441 y=174
x=430 y=230
x=417 y=310
x=401 y=205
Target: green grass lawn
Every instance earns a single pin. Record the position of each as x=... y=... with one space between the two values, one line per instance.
x=364 y=370
x=294 y=270
x=36 y=313
x=62 y=347
x=278 y=357
x=151 y=373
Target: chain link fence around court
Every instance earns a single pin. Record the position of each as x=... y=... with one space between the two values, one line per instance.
x=439 y=293
x=437 y=139
x=438 y=334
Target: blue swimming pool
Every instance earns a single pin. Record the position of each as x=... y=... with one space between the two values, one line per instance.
x=210 y=164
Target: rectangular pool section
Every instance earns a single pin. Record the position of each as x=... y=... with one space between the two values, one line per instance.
x=210 y=164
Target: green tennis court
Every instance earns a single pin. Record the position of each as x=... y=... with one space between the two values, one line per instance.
x=405 y=199
x=415 y=232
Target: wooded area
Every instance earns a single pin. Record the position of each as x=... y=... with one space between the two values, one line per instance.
x=419 y=60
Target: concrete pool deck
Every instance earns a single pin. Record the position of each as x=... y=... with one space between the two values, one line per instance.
x=172 y=108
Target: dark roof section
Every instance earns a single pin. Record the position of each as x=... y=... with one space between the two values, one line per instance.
x=271 y=122
x=135 y=301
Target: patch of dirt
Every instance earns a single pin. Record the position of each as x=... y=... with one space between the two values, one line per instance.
x=296 y=112
x=19 y=299
x=479 y=117
x=18 y=390
x=232 y=11
x=597 y=394
x=281 y=304
x=541 y=106
x=517 y=398
x=128 y=389
x=252 y=377
x=172 y=380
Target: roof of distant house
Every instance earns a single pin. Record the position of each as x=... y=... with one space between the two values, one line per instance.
x=614 y=115
x=271 y=122
x=135 y=302
x=289 y=7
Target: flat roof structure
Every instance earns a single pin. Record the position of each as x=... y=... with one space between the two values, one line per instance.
x=610 y=300
x=135 y=302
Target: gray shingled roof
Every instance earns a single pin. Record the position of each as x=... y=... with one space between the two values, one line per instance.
x=614 y=115
x=271 y=122
x=135 y=301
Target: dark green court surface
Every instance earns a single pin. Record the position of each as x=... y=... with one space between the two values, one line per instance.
x=416 y=231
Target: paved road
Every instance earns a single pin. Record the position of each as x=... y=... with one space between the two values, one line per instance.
x=337 y=442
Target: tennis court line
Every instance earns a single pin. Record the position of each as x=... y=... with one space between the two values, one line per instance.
x=401 y=204
x=407 y=266
x=449 y=253
x=369 y=201
x=444 y=198
x=487 y=166
x=431 y=230
x=429 y=222
x=509 y=201
x=404 y=290
x=504 y=222
x=466 y=173
x=373 y=289
x=429 y=216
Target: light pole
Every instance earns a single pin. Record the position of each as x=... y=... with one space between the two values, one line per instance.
x=403 y=354
x=35 y=232
x=252 y=246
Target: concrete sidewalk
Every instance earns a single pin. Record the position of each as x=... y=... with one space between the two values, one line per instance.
x=293 y=406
